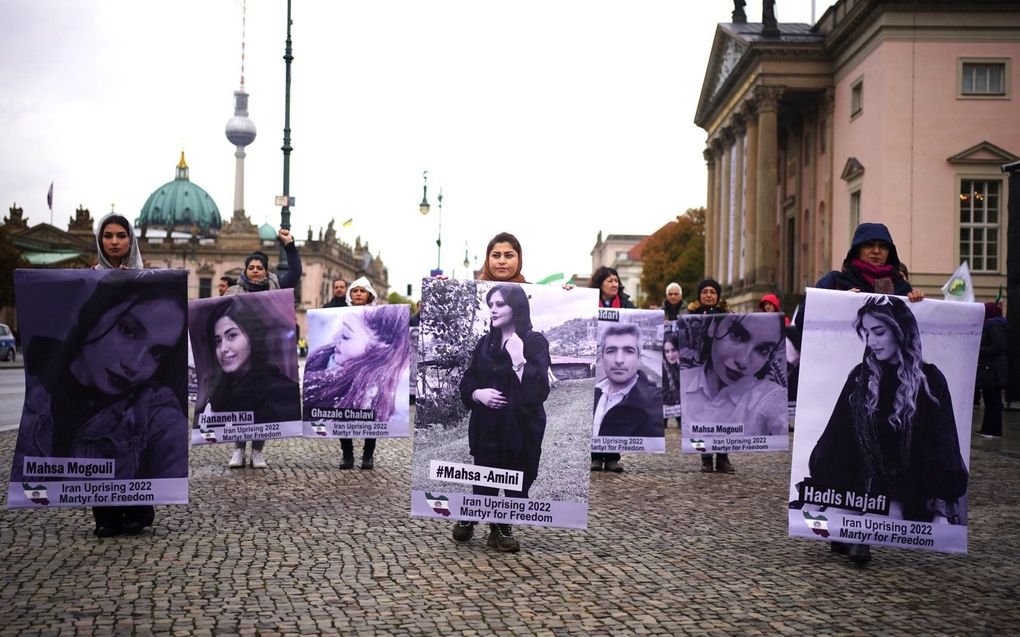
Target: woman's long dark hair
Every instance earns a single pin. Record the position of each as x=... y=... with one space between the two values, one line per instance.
x=899 y=320
x=234 y=308
x=516 y=298
x=125 y=290
x=370 y=380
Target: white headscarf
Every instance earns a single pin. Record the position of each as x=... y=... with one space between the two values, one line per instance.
x=364 y=284
x=133 y=260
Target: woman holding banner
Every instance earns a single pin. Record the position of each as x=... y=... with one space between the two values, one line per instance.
x=113 y=389
x=256 y=277
x=362 y=366
x=709 y=302
x=872 y=264
x=505 y=387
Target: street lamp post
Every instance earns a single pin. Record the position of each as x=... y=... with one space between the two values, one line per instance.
x=288 y=57
x=424 y=208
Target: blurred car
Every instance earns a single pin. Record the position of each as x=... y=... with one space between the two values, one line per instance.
x=8 y=349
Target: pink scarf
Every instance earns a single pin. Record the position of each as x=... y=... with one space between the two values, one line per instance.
x=871 y=273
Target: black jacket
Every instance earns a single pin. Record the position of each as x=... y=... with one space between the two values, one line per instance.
x=638 y=414
x=336 y=301
x=264 y=390
x=993 y=366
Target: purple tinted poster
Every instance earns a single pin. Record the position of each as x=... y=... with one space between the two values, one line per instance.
x=356 y=375
x=881 y=449
x=105 y=415
x=502 y=416
x=627 y=412
x=733 y=383
x=245 y=351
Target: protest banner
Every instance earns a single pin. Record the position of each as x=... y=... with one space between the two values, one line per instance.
x=245 y=352
x=356 y=375
x=505 y=372
x=882 y=444
x=733 y=383
x=105 y=415
x=627 y=413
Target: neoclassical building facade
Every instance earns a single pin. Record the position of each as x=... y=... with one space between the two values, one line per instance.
x=881 y=111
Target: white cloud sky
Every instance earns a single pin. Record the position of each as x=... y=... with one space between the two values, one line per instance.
x=551 y=120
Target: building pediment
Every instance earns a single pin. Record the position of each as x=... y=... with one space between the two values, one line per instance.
x=985 y=153
x=44 y=234
x=726 y=53
x=852 y=170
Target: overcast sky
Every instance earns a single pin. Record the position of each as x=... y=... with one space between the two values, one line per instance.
x=552 y=120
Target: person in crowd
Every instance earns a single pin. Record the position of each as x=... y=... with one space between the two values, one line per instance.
x=734 y=375
x=626 y=402
x=116 y=245
x=871 y=265
x=244 y=379
x=225 y=283
x=674 y=303
x=770 y=303
x=671 y=373
x=993 y=369
x=361 y=292
x=339 y=294
x=892 y=431
x=709 y=302
x=256 y=277
x=505 y=386
x=611 y=294
x=114 y=388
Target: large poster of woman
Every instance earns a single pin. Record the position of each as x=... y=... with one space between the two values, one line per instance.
x=105 y=416
x=733 y=383
x=501 y=435
x=356 y=375
x=245 y=352
x=627 y=412
x=882 y=440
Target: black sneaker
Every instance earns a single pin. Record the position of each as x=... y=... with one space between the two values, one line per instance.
x=347 y=462
x=501 y=537
x=860 y=553
x=462 y=531
x=367 y=463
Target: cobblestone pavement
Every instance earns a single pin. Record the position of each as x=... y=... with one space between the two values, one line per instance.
x=302 y=548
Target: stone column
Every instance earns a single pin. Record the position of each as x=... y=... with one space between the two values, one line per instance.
x=740 y=219
x=710 y=201
x=828 y=108
x=722 y=270
x=767 y=98
x=751 y=120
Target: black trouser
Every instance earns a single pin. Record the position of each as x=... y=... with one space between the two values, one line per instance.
x=480 y=490
x=991 y=424
x=116 y=517
x=706 y=459
x=347 y=447
x=606 y=457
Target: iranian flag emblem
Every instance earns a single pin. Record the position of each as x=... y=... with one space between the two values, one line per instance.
x=319 y=428
x=819 y=524
x=208 y=435
x=699 y=445
x=439 y=503
x=36 y=494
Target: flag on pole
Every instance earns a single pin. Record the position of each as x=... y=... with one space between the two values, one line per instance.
x=348 y=223
x=49 y=197
x=998 y=297
x=959 y=286
x=552 y=277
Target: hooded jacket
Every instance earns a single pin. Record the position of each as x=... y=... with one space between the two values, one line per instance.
x=133 y=259
x=849 y=277
x=774 y=300
x=365 y=284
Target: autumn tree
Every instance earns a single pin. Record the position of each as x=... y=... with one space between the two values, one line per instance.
x=10 y=260
x=676 y=252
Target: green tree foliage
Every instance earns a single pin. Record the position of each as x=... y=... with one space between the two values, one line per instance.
x=10 y=260
x=675 y=252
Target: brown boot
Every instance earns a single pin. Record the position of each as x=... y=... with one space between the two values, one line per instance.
x=722 y=465
x=706 y=464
